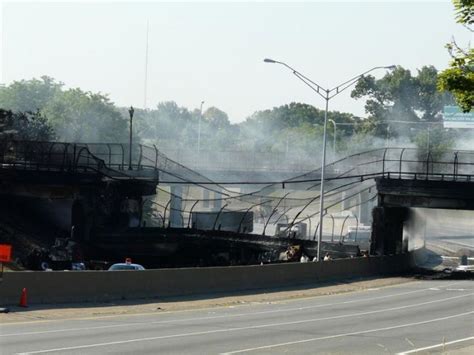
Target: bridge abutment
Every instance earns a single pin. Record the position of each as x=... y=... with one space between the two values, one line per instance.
x=387 y=230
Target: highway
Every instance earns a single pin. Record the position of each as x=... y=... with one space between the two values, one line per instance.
x=425 y=315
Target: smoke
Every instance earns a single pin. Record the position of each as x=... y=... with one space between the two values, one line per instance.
x=447 y=232
x=465 y=141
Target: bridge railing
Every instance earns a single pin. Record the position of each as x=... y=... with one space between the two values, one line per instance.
x=454 y=165
x=57 y=156
x=113 y=159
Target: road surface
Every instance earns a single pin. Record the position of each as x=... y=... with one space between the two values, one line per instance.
x=425 y=315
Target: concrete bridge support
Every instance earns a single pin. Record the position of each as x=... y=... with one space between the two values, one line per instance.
x=176 y=205
x=218 y=201
x=82 y=220
x=345 y=202
x=364 y=208
x=387 y=230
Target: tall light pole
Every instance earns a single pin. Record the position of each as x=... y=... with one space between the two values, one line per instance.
x=146 y=67
x=326 y=94
x=199 y=129
x=334 y=141
x=130 y=112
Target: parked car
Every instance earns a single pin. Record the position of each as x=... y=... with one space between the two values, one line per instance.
x=465 y=268
x=125 y=266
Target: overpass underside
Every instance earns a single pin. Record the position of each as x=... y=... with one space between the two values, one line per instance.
x=397 y=196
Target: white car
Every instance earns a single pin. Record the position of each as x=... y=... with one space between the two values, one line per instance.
x=465 y=268
x=125 y=266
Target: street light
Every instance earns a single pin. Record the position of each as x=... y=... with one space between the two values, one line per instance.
x=326 y=94
x=130 y=112
x=199 y=129
x=334 y=141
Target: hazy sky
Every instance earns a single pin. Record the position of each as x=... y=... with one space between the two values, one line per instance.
x=214 y=51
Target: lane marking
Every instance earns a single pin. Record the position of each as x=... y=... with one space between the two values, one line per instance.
x=302 y=308
x=244 y=328
x=436 y=346
x=218 y=307
x=348 y=334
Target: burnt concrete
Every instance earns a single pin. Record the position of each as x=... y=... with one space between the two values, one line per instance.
x=397 y=196
x=425 y=193
x=387 y=230
x=82 y=199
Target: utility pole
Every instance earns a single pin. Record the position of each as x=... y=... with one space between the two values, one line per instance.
x=130 y=112
x=199 y=130
x=146 y=68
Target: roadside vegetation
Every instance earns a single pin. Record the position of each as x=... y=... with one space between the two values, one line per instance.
x=400 y=107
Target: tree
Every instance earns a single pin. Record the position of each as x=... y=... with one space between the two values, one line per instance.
x=73 y=114
x=79 y=116
x=437 y=140
x=459 y=77
x=294 y=126
x=24 y=126
x=29 y=95
x=167 y=124
x=399 y=96
x=216 y=118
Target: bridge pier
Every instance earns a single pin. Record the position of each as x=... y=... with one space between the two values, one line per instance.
x=345 y=202
x=217 y=202
x=82 y=219
x=364 y=208
x=387 y=230
x=176 y=205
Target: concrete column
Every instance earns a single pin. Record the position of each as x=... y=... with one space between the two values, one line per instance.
x=82 y=219
x=176 y=205
x=387 y=230
x=345 y=203
x=205 y=197
x=217 y=202
x=363 y=210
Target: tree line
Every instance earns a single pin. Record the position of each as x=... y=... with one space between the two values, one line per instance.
x=44 y=109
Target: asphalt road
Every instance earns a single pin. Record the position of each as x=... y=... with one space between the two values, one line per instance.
x=395 y=319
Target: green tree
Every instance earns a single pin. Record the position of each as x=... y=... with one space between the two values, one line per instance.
x=73 y=114
x=29 y=95
x=216 y=118
x=399 y=96
x=437 y=140
x=459 y=77
x=295 y=125
x=79 y=116
x=24 y=126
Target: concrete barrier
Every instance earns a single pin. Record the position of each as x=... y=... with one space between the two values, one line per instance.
x=101 y=286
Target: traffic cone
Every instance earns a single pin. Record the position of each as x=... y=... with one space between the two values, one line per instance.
x=23 y=302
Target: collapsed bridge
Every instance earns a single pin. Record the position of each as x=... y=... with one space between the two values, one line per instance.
x=110 y=198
